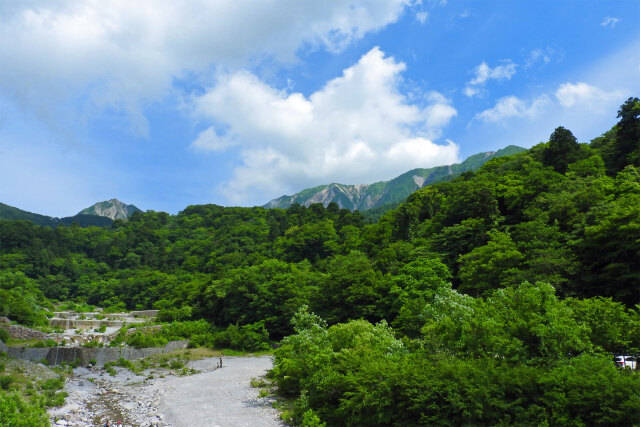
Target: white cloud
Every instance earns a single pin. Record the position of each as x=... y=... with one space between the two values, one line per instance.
x=472 y=91
x=484 y=73
x=208 y=139
x=356 y=129
x=422 y=17
x=609 y=21
x=542 y=55
x=513 y=107
x=584 y=95
x=127 y=53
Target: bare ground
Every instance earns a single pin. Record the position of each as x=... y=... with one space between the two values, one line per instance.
x=212 y=397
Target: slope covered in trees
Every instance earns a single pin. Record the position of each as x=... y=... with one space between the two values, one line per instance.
x=496 y=298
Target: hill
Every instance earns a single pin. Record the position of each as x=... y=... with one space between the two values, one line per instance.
x=83 y=220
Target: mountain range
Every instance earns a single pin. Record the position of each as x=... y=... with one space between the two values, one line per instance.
x=374 y=198
x=387 y=193
x=101 y=214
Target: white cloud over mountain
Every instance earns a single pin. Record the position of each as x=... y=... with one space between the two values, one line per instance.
x=118 y=55
x=357 y=128
x=513 y=107
x=585 y=95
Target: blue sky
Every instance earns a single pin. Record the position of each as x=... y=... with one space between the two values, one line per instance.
x=164 y=104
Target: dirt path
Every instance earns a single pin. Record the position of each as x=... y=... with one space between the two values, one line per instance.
x=221 y=397
x=212 y=397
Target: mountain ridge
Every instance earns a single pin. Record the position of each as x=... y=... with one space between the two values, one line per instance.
x=370 y=196
x=101 y=214
x=11 y=213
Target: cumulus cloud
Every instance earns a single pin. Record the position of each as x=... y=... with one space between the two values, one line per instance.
x=585 y=95
x=609 y=21
x=117 y=55
x=513 y=107
x=484 y=73
x=356 y=129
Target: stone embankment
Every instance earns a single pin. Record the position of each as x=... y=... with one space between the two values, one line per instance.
x=23 y=333
x=101 y=355
x=82 y=328
x=73 y=320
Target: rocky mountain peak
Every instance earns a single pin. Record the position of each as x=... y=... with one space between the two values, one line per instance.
x=113 y=209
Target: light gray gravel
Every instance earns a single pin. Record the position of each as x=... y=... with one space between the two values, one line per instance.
x=212 y=397
x=221 y=397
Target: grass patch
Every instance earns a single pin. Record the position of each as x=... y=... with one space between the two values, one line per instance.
x=27 y=390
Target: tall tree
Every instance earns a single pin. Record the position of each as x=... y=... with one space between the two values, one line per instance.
x=627 y=143
x=563 y=149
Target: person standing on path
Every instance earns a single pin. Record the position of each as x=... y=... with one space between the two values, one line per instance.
x=221 y=362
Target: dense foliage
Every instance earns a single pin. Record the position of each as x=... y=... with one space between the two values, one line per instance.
x=496 y=298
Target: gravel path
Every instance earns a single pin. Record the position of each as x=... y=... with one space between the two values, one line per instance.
x=212 y=397
x=221 y=397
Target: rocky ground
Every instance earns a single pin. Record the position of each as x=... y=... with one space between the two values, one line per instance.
x=210 y=397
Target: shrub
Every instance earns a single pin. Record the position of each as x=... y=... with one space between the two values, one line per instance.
x=252 y=337
x=124 y=363
x=173 y=314
x=38 y=344
x=53 y=384
x=176 y=364
x=5 y=382
x=15 y=411
x=141 y=340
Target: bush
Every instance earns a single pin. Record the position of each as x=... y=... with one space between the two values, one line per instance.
x=141 y=340
x=176 y=364
x=4 y=335
x=15 y=411
x=252 y=337
x=5 y=382
x=198 y=332
x=174 y=314
x=53 y=384
x=124 y=363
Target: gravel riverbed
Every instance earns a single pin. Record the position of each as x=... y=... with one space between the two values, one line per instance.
x=211 y=397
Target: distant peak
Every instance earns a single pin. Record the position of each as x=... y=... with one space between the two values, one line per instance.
x=112 y=208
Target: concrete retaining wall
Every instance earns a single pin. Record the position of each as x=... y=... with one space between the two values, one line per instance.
x=85 y=324
x=58 y=355
x=144 y=313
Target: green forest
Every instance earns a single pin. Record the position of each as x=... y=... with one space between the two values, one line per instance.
x=497 y=298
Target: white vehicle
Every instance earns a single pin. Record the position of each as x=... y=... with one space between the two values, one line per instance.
x=627 y=362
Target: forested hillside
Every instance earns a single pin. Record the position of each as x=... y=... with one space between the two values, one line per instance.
x=84 y=220
x=496 y=298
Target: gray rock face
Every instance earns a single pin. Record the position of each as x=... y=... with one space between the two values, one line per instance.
x=113 y=209
x=368 y=196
